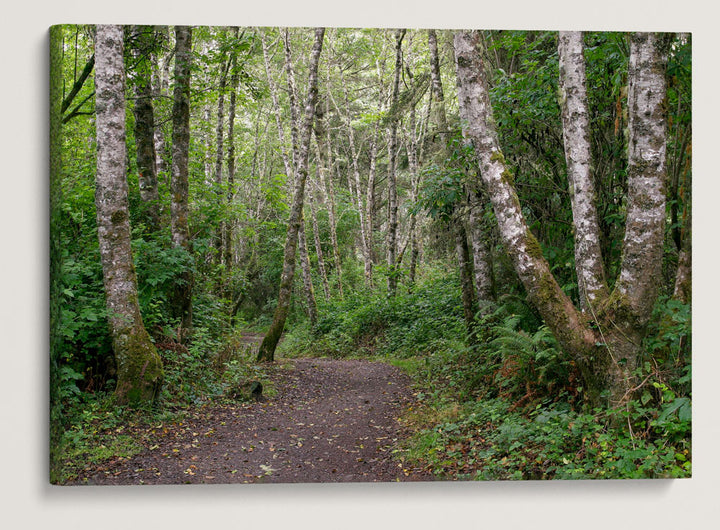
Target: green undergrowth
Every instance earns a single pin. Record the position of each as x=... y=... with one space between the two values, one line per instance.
x=92 y=431
x=510 y=404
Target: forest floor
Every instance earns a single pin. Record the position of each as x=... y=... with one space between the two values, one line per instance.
x=329 y=421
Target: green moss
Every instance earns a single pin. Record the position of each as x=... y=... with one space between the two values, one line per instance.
x=497 y=156
x=118 y=216
x=508 y=177
x=532 y=245
x=140 y=371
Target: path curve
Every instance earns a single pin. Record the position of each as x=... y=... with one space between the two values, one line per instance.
x=331 y=421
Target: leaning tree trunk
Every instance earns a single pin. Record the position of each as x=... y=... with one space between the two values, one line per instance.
x=181 y=304
x=606 y=357
x=267 y=348
x=576 y=134
x=145 y=124
x=139 y=368
x=291 y=166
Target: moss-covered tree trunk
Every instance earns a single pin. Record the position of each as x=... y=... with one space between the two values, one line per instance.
x=139 y=367
x=181 y=303
x=267 y=348
x=606 y=348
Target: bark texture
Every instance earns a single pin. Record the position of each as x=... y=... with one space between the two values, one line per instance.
x=182 y=301
x=576 y=135
x=644 y=228
x=139 y=367
x=523 y=248
x=480 y=263
x=606 y=357
x=267 y=348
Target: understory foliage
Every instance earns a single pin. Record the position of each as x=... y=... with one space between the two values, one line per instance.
x=511 y=406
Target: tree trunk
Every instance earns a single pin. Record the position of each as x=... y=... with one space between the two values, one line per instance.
x=683 y=276
x=139 y=368
x=481 y=259
x=466 y=283
x=392 y=168
x=357 y=195
x=326 y=189
x=291 y=167
x=220 y=153
x=576 y=134
x=160 y=86
x=370 y=201
x=438 y=97
x=228 y=232
x=267 y=348
x=318 y=247
x=182 y=299
x=143 y=37
x=608 y=357
x=482 y=255
x=307 y=275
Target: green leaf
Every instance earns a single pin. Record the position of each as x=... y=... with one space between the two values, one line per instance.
x=645 y=398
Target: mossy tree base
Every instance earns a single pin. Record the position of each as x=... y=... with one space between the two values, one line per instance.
x=140 y=372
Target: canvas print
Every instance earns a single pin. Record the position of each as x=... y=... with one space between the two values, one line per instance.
x=295 y=255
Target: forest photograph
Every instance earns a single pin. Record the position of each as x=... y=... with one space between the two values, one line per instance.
x=334 y=254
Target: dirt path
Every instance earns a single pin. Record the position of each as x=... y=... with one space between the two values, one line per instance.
x=331 y=421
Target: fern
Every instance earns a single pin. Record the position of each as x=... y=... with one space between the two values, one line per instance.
x=528 y=362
